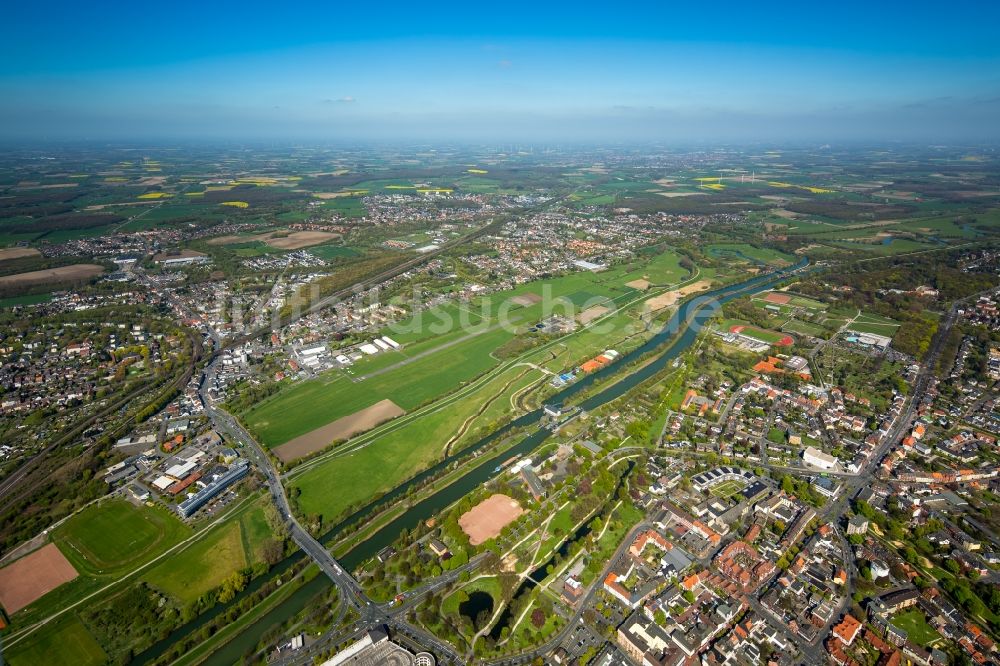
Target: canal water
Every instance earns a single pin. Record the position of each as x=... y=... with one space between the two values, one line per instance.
x=683 y=328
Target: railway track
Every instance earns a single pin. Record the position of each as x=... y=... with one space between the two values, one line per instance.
x=33 y=473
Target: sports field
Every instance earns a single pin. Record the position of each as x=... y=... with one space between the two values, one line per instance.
x=117 y=535
x=789 y=299
x=33 y=576
x=878 y=329
x=764 y=335
x=804 y=328
x=873 y=323
x=485 y=520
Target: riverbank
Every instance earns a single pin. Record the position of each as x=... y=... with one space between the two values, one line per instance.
x=677 y=334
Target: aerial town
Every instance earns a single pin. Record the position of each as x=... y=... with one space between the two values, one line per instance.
x=549 y=335
x=459 y=424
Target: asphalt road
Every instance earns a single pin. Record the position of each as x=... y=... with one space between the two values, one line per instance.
x=372 y=614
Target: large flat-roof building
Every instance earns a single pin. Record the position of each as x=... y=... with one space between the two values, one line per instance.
x=188 y=507
x=375 y=649
x=819 y=459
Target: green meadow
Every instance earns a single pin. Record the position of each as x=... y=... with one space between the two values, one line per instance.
x=207 y=562
x=303 y=407
x=67 y=641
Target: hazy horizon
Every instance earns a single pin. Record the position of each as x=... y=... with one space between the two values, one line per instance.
x=710 y=74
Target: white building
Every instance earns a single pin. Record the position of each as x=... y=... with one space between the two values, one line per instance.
x=816 y=458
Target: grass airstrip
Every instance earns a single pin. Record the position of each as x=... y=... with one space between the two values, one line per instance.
x=441 y=352
x=375 y=462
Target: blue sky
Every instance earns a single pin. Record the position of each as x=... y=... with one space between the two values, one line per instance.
x=506 y=71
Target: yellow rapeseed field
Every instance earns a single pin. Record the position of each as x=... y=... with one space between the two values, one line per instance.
x=235 y=204
x=814 y=190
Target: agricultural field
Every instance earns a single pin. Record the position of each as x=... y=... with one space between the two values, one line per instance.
x=31 y=577
x=51 y=276
x=331 y=485
x=29 y=299
x=338 y=430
